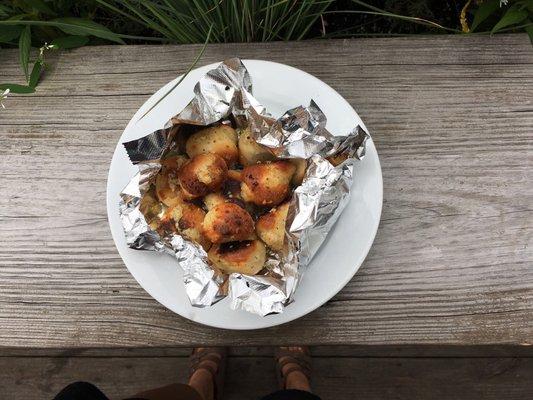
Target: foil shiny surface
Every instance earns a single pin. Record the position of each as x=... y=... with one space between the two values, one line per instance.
x=224 y=94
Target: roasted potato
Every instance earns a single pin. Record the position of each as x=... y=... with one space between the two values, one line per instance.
x=213 y=199
x=167 y=187
x=267 y=184
x=250 y=152
x=202 y=174
x=271 y=227
x=188 y=219
x=227 y=222
x=220 y=139
x=151 y=209
x=246 y=257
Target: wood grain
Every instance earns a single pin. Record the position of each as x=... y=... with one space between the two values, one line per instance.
x=37 y=378
x=361 y=351
x=452 y=119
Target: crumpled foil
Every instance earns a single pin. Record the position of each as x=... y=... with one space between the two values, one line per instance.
x=226 y=93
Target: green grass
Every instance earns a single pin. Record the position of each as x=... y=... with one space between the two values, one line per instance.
x=188 y=21
x=63 y=24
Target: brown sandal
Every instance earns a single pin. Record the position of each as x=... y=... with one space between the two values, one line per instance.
x=217 y=355
x=302 y=359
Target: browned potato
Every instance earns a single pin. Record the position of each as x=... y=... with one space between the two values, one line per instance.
x=246 y=257
x=267 y=184
x=301 y=167
x=235 y=174
x=151 y=209
x=202 y=174
x=213 y=199
x=167 y=187
x=188 y=219
x=227 y=222
x=220 y=140
x=271 y=227
x=250 y=152
x=174 y=162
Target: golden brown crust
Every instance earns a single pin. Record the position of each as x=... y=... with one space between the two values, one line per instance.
x=250 y=152
x=230 y=196
x=227 y=222
x=151 y=208
x=235 y=174
x=267 y=184
x=220 y=139
x=271 y=227
x=188 y=219
x=213 y=199
x=174 y=162
x=167 y=187
x=202 y=174
x=246 y=257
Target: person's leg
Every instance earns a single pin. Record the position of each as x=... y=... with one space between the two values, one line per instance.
x=295 y=378
x=294 y=366
x=175 y=391
x=203 y=375
x=294 y=369
x=207 y=367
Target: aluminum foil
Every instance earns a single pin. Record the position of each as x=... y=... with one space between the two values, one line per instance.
x=224 y=94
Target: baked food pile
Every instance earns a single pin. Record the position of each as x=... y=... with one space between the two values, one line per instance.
x=227 y=193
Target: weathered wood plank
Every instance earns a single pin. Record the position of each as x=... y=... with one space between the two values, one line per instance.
x=405 y=351
x=250 y=377
x=452 y=119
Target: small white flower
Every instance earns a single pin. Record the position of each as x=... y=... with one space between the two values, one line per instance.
x=503 y=2
x=3 y=96
x=44 y=48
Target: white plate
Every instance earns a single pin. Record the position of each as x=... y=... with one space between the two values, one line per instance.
x=278 y=87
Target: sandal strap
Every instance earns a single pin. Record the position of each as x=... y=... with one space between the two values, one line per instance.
x=198 y=362
x=301 y=359
x=207 y=367
x=302 y=363
x=198 y=358
x=215 y=365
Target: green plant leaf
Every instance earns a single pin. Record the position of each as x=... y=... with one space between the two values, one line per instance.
x=514 y=15
x=16 y=88
x=5 y=11
x=70 y=42
x=485 y=10
x=36 y=73
x=10 y=32
x=18 y=17
x=82 y=27
x=24 y=49
x=529 y=30
x=40 y=6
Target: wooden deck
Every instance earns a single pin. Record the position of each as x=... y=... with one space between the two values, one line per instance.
x=339 y=374
x=452 y=119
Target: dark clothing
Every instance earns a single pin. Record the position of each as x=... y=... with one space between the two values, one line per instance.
x=291 y=395
x=177 y=391
x=81 y=391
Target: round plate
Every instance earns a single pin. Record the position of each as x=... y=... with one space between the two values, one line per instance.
x=279 y=88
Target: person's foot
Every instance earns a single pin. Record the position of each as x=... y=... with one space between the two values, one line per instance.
x=208 y=366
x=293 y=366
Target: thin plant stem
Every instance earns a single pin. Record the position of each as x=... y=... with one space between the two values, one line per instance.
x=184 y=75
